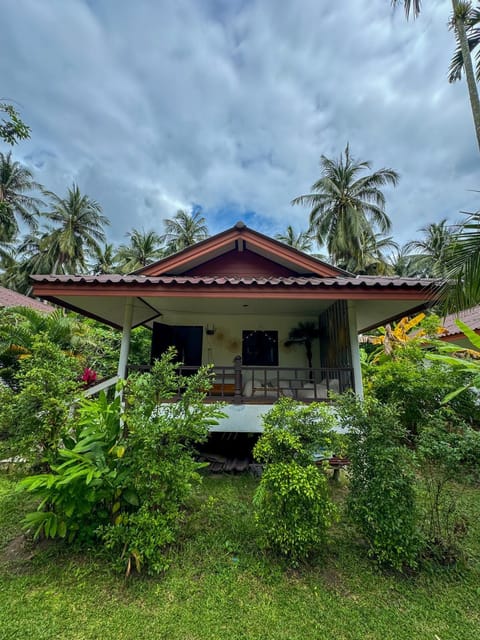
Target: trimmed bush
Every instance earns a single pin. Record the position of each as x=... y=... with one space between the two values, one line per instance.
x=293 y=509
x=381 y=501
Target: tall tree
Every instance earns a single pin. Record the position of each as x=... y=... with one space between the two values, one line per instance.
x=183 y=230
x=428 y=254
x=76 y=231
x=402 y=264
x=32 y=255
x=16 y=202
x=346 y=207
x=144 y=247
x=463 y=22
x=301 y=240
x=12 y=128
x=104 y=259
x=373 y=259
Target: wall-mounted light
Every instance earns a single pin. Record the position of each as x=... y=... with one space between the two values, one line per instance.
x=210 y=329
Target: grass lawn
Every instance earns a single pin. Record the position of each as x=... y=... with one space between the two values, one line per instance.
x=219 y=586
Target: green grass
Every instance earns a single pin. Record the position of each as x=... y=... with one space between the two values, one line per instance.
x=220 y=585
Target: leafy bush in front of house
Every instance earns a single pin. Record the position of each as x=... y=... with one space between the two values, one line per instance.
x=86 y=483
x=123 y=477
x=448 y=453
x=159 y=460
x=293 y=509
x=34 y=419
x=381 y=501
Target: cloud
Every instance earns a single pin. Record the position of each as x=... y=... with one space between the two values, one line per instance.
x=226 y=104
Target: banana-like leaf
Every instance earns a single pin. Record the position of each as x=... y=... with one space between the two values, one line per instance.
x=470 y=333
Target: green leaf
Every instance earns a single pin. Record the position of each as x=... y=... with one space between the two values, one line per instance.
x=131 y=497
x=62 y=529
x=470 y=333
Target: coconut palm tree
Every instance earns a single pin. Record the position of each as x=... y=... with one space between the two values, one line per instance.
x=428 y=255
x=347 y=207
x=105 y=259
x=144 y=248
x=183 y=230
x=16 y=270
x=16 y=182
x=76 y=231
x=301 y=240
x=463 y=22
x=402 y=264
x=372 y=260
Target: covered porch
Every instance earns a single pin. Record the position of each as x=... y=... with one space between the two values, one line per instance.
x=241 y=321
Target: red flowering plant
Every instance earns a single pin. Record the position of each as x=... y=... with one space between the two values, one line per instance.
x=89 y=376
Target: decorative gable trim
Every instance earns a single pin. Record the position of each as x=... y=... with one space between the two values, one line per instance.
x=239 y=238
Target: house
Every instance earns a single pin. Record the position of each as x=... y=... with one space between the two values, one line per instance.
x=10 y=298
x=453 y=333
x=232 y=300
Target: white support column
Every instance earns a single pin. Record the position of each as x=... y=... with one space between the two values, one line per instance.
x=125 y=346
x=355 y=349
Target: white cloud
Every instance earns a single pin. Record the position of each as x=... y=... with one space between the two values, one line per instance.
x=153 y=106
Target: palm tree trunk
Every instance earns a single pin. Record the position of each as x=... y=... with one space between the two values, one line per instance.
x=459 y=21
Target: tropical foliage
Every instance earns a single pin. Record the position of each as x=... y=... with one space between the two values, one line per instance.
x=122 y=478
x=464 y=23
x=35 y=414
x=381 y=500
x=12 y=127
x=144 y=247
x=76 y=230
x=184 y=229
x=428 y=255
x=463 y=266
x=16 y=202
x=346 y=207
x=293 y=509
x=301 y=240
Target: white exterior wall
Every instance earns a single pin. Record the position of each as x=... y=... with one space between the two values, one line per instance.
x=226 y=343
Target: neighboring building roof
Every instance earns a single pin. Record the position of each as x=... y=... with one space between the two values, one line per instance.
x=9 y=298
x=471 y=317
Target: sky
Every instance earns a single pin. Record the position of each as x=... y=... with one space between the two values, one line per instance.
x=155 y=105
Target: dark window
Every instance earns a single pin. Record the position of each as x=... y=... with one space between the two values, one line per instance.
x=186 y=340
x=260 y=348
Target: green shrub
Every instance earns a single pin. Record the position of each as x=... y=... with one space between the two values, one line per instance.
x=449 y=454
x=418 y=387
x=160 y=463
x=33 y=419
x=85 y=483
x=381 y=500
x=293 y=510
x=295 y=431
x=124 y=477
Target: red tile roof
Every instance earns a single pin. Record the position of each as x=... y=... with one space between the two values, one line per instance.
x=9 y=298
x=308 y=281
x=468 y=316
